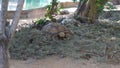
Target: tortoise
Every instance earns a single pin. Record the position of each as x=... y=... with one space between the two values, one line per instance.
x=57 y=30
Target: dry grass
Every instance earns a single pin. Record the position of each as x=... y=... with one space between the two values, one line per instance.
x=100 y=40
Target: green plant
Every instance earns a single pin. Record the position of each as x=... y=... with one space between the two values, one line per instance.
x=110 y=6
x=96 y=8
x=40 y=22
x=52 y=9
x=100 y=5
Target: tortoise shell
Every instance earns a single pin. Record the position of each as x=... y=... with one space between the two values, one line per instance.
x=56 y=29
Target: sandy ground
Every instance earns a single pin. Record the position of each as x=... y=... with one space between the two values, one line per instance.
x=55 y=62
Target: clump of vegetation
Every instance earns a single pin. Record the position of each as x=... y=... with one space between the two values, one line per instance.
x=40 y=21
x=100 y=40
x=95 y=40
x=110 y=15
x=31 y=43
x=38 y=24
x=52 y=10
x=110 y=6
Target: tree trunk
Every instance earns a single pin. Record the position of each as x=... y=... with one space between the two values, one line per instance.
x=92 y=11
x=80 y=8
x=88 y=10
x=4 y=55
x=87 y=7
x=16 y=18
x=7 y=34
x=3 y=38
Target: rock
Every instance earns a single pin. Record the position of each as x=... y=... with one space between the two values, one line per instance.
x=116 y=2
x=59 y=19
x=63 y=12
x=70 y=21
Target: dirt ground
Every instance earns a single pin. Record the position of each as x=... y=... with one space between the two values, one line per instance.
x=55 y=62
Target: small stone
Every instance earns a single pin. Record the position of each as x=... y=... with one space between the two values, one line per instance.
x=113 y=38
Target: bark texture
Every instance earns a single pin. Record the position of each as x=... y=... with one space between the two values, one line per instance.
x=16 y=17
x=7 y=34
x=3 y=38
